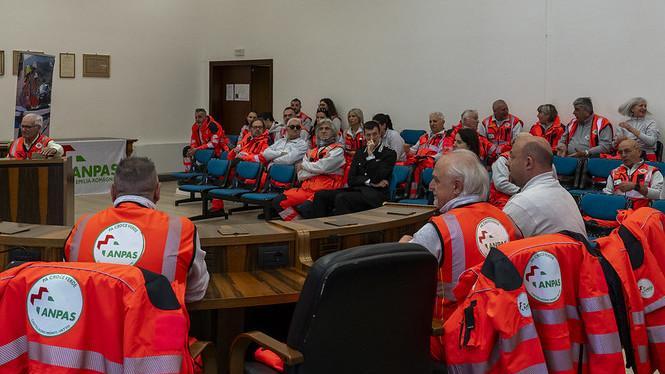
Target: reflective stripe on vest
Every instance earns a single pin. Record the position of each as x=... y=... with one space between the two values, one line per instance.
x=526 y=332
x=458 y=258
x=656 y=334
x=560 y=360
x=601 y=344
x=660 y=303
x=477 y=367
x=595 y=304
x=76 y=240
x=638 y=318
x=555 y=316
x=89 y=360
x=643 y=352
x=171 y=247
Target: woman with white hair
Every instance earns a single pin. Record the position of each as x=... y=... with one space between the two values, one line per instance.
x=640 y=126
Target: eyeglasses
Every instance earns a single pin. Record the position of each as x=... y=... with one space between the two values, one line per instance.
x=295 y=127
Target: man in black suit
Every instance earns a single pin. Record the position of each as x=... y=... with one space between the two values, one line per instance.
x=369 y=178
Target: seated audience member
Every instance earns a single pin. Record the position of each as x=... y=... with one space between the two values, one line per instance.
x=322 y=168
x=306 y=120
x=368 y=179
x=588 y=134
x=542 y=206
x=641 y=126
x=330 y=108
x=245 y=129
x=389 y=137
x=273 y=127
x=252 y=145
x=501 y=128
x=469 y=120
x=637 y=180
x=322 y=114
x=549 y=125
x=467 y=139
x=32 y=141
x=463 y=234
x=134 y=232
x=353 y=137
x=206 y=134
x=287 y=150
x=428 y=149
x=501 y=188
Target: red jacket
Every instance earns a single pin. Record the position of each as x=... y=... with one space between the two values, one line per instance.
x=597 y=125
x=67 y=318
x=501 y=136
x=551 y=134
x=252 y=146
x=209 y=135
x=641 y=176
x=18 y=150
x=498 y=198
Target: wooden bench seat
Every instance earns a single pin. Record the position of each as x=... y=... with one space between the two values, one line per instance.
x=251 y=288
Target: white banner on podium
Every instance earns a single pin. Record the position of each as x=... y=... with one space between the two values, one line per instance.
x=94 y=163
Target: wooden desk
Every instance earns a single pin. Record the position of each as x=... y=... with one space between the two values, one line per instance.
x=37 y=191
x=50 y=239
x=129 y=147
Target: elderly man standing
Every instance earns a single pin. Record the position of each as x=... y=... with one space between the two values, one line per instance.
x=428 y=149
x=322 y=168
x=32 y=141
x=134 y=232
x=635 y=179
x=542 y=206
x=501 y=128
x=287 y=150
x=463 y=234
x=588 y=134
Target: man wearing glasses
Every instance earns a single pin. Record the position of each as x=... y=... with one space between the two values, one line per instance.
x=32 y=143
x=287 y=150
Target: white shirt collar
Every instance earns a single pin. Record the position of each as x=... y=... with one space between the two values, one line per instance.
x=460 y=200
x=135 y=199
x=635 y=166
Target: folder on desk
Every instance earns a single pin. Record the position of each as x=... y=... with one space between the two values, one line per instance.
x=340 y=222
x=402 y=213
x=227 y=230
x=11 y=228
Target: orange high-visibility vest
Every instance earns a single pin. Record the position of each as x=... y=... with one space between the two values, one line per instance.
x=642 y=176
x=352 y=143
x=429 y=145
x=67 y=318
x=209 y=135
x=18 y=150
x=502 y=135
x=570 y=302
x=498 y=198
x=598 y=123
x=323 y=181
x=492 y=330
x=132 y=234
x=551 y=134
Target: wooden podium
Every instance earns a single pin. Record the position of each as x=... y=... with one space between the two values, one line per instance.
x=37 y=191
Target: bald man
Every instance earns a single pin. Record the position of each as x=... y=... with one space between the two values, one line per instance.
x=635 y=179
x=501 y=128
x=542 y=206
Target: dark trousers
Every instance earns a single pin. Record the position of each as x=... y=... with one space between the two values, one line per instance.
x=336 y=202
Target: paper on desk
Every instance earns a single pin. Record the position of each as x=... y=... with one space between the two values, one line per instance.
x=227 y=230
x=11 y=228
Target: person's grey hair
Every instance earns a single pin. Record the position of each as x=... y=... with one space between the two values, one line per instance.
x=585 y=102
x=36 y=119
x=468 y=112
x=358 y=113
x=136 y=176
x=465 y=165
x=294 y=120
x=627 y=108
x=438 y=115
x=329 y=123
x=549 y=110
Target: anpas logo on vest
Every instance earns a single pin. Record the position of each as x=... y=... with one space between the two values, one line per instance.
x=122 y=243
x=646 y=288
x=54 y=304
x=542 y=277
x=523 y=305
x=490 y=233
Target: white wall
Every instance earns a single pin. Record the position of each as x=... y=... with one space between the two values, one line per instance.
x=404 y=58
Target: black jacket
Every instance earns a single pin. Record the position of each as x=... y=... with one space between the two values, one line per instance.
x=376 y=170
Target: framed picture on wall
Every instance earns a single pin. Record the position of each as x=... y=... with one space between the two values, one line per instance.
x=97 y=66
x=2 y=62
x=16 y=57
x=67 y=65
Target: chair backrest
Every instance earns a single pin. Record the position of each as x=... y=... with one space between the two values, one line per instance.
x=401 y=174
x=248 y=169
x=411 y=136
x=659 y=150
x=202 y=156
x=601 y=167
x=426 y=177
x=602 y=206
x=218 y=168
x=659 y=165
x=282 y=173
x=659 y=205
x=233 y=139
x=566 y=166
x=223 y=155
x=366 y=310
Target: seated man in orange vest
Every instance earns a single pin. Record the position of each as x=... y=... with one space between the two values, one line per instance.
x=463 y=234
x=134 y=232
x=252 y=145
x=32 y=141
x=501 y=128
x=487 y=151
x=588 y=134
x=322 y=168
x=206 y=134
x=428 y=149
x=637 y=180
